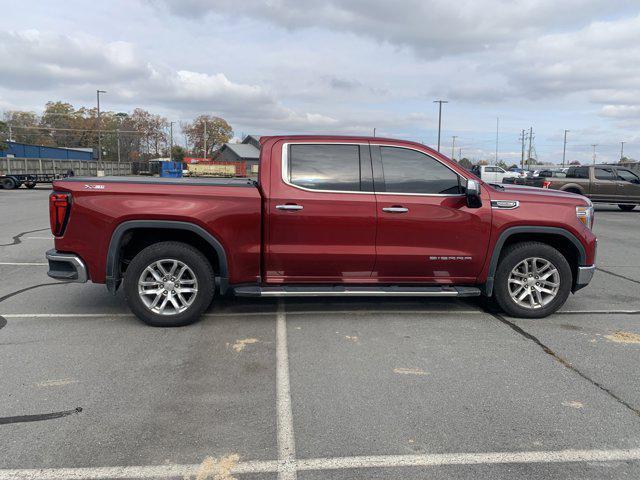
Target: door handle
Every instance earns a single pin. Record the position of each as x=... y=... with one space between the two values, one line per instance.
x=289 y=207
x=395 y=209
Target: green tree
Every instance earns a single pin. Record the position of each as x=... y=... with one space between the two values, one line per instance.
x=4 y=135
x=465 y=163
x=24 y=126
x=218 y=131
x=177 y=153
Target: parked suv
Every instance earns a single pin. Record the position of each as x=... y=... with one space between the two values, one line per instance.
x=492 y=173
x=329 y=216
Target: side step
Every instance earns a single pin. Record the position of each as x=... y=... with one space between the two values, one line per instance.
x=352 y=291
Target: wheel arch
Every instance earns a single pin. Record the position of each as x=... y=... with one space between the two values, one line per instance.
x=573 y=187
x=119 y=235
x=559 y=238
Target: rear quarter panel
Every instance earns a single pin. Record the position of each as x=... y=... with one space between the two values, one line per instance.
x=230 y=213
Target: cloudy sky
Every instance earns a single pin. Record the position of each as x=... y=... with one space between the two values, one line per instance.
x=298 y=66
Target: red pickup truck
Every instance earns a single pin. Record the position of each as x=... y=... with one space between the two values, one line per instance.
x=327 y=216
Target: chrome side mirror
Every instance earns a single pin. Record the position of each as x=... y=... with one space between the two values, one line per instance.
x=473 y=194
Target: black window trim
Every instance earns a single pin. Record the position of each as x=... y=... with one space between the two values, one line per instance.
x=461 y=178
x=285 y=174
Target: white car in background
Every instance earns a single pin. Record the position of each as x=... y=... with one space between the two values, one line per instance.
x=493 y=173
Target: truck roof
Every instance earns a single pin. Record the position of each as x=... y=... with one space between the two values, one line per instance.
x=354 y=138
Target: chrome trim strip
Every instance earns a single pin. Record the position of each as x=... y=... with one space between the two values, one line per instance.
x=509 y=204
x=74 y=260
x=285 y=170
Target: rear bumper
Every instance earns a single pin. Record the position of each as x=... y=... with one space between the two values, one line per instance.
x=584 y=276
x=66 y=266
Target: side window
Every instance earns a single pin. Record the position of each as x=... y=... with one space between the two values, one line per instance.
x=500 y=170
x=578 y=172
x=604 y=173
x=325 y=167
x=409 y=171
x=628 y=176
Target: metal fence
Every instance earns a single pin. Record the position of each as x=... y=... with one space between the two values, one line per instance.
x=10 y=166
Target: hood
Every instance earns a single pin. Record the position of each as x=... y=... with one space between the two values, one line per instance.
x=522 y=191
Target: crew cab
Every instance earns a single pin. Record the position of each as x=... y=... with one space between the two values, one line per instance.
x=328 y=216
x=602 y=184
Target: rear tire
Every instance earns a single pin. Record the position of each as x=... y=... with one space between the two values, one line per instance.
x=533 y=280
x=153 y=288
x=30 y=185
x=626 y=208
x=8 y=183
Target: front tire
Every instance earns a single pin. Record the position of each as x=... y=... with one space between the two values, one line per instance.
x=169 y=284
x=533 y=280
x=626 y=207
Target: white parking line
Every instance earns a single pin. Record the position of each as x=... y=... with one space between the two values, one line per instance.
x=286 y=441
x=28 y=264
x=248 y=314
x=338 y=463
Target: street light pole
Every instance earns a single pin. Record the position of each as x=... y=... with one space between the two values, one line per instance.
x=439 y=102
x=98 y=92
x=622 y=150
x=594 y=145
x=453 y=147
x=564 y=148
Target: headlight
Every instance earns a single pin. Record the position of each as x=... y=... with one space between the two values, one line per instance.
x=585 y=215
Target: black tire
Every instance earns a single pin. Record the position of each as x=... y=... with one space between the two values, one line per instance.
x=512 y=256
x=626 y=208
x=182 y=252
x=30 y=185
x=8 y=183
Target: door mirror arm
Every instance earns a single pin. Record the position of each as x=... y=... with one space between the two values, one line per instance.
x=473 y=194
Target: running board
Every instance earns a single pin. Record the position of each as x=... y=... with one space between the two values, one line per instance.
x=349 y=291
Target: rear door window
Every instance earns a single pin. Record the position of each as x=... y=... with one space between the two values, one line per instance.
x=604 y=173
x=410 y=171
x=578 y=172
x=325 y=167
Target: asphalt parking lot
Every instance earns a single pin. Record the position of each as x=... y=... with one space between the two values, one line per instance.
x=341 y=389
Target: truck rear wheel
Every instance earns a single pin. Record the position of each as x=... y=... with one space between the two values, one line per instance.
x=626 y=208
x=8 y=183
x=533 y=280
x=169 y=284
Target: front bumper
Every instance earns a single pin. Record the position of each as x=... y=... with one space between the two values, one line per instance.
x=584 y=276
x=66 y=266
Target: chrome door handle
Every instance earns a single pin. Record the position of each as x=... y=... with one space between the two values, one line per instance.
x=395 y=209
x=289 y=207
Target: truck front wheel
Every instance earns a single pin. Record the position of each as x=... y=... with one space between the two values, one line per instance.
x=626 y=207
x=532 y=280
x=169 y=284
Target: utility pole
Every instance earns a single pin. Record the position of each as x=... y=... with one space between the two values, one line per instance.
x=621 y=149
x=594 y=145
x=564 y=148
x=205 y=138
x=529 y=155
x=10 y=137
x=460 y=153
x=170 y=141
x=439 y=102
x=497 y=130
x=98 y=92
x=374 y=131
x=118 y=133
x=522 y=137
x=453 y=147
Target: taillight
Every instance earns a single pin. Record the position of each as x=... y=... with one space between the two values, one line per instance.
x=546 y=184
x=59 y=207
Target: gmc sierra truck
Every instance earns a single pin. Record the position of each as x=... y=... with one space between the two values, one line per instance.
x=328 y=216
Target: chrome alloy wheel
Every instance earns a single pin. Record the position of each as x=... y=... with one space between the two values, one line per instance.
x=534 y=282
x=167 y=287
